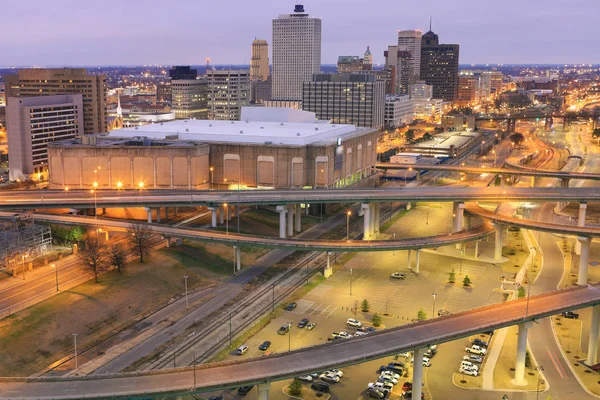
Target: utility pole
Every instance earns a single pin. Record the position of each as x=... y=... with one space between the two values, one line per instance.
x=187 y=304
x=75 y=348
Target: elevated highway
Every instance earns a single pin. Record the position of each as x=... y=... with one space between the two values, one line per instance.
x=261 y=371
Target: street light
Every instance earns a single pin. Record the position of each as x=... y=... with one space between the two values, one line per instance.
x=539 y=370
x=75 y=351
x=226 y=218
x=56 y=271
x=66 y=188
x=23 y=263
x=141 y=185
x=348 y=214
x=350 y=281
x=119 y=185
x=94 y=191
x=405 y=173
x=427 y=221
x=433 y=311
x=212 y=176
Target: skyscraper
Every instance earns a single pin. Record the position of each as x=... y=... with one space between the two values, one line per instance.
x=439 y=67
x=368 y=59
x=296 y=53
x=188 y=93
x=51 y=81
x=259 y=63
x=228 y=92
x=402 y=63
x=410 y=41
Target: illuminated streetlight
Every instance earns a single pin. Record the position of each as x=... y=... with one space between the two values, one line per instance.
x=56 y=270
x=141 y=185
x=348 y=214
x=226 y=218
x=119 y=185
x=212 y=176
x=433 y=312
x=66 y=189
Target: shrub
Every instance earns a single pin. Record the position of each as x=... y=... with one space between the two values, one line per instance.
x=365 y=306
x=295 y=387
x=421 y=315
x=467 y=281
x=376 y=320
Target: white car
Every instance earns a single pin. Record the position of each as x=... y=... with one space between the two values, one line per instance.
x=390 y=373
x=406 y=355
x=474 y=359
x=329 y=377
x=360 y=333
x=305 y=378
x=353 y=322
x=433 y=347
x=343 y=335
x=478 y=350
x=470 y=372
x=387 y=378
x=381 y=386
x=426 y=361
x=334 y=372
x=469 y=365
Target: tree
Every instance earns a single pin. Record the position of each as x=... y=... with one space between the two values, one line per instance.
x=364 y=306
x=421 y=315
x=76 y=234
x=139 y=238
x=409 y=136
x=94 y=256
x=118 y=256
x=467 y=281
x=427 y=136
x=376 y=319
x=517 y=138
x=452 y=276
x=521 y=292
x=596 y=133
x=295 y=387
x=518 y=100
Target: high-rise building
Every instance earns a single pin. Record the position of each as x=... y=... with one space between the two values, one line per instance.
x=259 y=63
x=349 y=64
x=188 y=93
x=228 y=92
x=163 y=92
x=421 y=91
x=402 y=63
x=51 y=81
x=439 y=67
x=260 y=91
x=32 y=123
x=368 y=59
x=490 y=83
x=468 y=87
x=296 y=53
x=356 y=99
x=399 y=110
x=410 y=41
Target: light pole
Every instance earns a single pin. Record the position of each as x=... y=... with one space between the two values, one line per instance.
x=95 y=190
x=348 y=214
x=433 y=311
x=350 y=281
x=405 y=173
x=187 y=304
x=539 y=370
x=23 y=263
x=212 y=176
x=56 y=271
x=75 y=350
x=494 y=152
x=289 y=337
x=226 y=218
x=427 y=221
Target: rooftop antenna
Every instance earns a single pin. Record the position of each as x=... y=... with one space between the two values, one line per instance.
x=207 y=63
x=430 y=23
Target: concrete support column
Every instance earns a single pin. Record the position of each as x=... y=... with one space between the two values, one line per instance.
x=533 y=181
x=377 y=218
x=290 y=220
x=418 y=257
x=476 y=255
x=263 y=391
x=328 y=269
x=230 y=211
x=168 y=242
x=213 y=216
x=592 y=353
x=584 y=259
x=367 y=221
x=455 y=227
x=580 y=223
x=281 y=210
x=149 y=211
x=408 y=260
x=298 y=220
x=498 y=245
x=460 y=216
x=166 y=213
x=417 y=382
x=158 y=215
x=221 y=215
x=521 y=352
x=372 y=225
x=175 y=211
x=238 y=258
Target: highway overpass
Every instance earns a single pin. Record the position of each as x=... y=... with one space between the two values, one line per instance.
x=415 y=337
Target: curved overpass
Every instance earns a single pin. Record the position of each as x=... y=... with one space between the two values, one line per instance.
x=273 y=242
x=159 y=198
x=302 y=361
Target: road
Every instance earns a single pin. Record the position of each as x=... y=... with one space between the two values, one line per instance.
x=287 y=365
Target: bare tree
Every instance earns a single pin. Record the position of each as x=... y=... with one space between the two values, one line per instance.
x=140 y=236
x=94 y=255
x=118 y=256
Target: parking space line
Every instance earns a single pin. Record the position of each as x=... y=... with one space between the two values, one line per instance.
x=329 y=315
x=316 y=309
x=325 y=309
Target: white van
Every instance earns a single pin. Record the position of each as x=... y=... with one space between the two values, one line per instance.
x=241 y=350
x=469 y=365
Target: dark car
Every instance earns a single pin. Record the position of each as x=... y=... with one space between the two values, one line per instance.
x=303 y=322
x=596 y=367
x=479 y=342
x=320 y=387
x=216 y=398
x=285 y=328
x=376 y=394
x=291 y=306
x=408 y=394
x=398 y=364
x=265 y=345
x=407 y=386
x=441 y=313
x=395 y=369
x=244 y=390
x=570 y=315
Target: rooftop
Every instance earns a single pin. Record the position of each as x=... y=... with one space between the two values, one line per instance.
x=272 y=130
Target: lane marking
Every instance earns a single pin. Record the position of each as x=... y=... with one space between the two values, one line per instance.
x=559 y=368
x=329 y=315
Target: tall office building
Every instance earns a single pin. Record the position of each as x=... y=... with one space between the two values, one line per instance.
x=439 y=67
x=296 y=53
x=468 y=87
x=188 y=93
x=349 y=64
x=259 y=63
x=163 y=92
x=368 y=59
x=228 y=92
x=356 y=99
x=51 y=81
x=402 y=63
x=410 y=41
x=32 y=123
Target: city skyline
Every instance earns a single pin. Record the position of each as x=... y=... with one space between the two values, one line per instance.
x=70 y=33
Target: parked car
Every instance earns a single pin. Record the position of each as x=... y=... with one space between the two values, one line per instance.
x=408 y=394
x=407 y=386
x=387 y=378
x=311 y=326
x=335 y=371
x=570 y=315
x=265 y=345
x=390 y=373
x=215 y=398
x=366 y=329
x=376 y=394
x=303 y=322
x=478 y=350
x=360 y=333
x=285 y=328
x=473 y=358
x=291 y=306
x=341 y=335
x=244 y=390
x=468 y=365
x=353 y=322
x=480 y=343
x=329 y=378
x=426 y=362
x=430 y=353
x=470 y=372
x=441 y=313
x=397 y=275
x=596 y=367
x=320 y=387
x=397 y=364
x=241 y=350
x=383 y=386
x=305 y=378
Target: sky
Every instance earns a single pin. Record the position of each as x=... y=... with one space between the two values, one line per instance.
x=136 y=32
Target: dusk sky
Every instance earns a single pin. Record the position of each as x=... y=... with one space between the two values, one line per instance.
x=133 y=32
